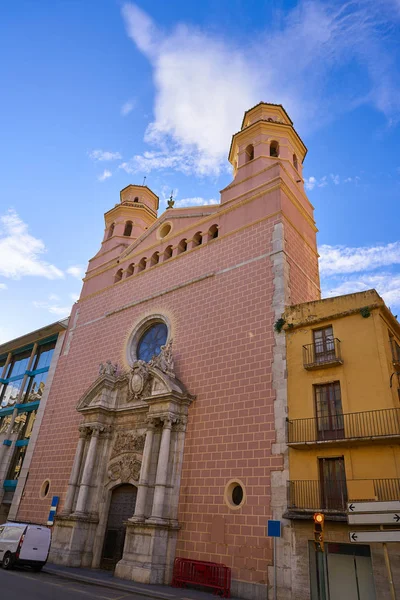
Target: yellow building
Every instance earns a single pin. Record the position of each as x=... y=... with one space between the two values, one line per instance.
x=343 y=437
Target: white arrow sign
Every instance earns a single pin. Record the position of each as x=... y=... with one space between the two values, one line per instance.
x=373 y=518
x=374 y=536
x=373 y=507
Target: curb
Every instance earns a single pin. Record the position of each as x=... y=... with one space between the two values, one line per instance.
x=114 y=585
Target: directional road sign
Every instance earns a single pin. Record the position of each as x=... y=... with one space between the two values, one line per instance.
x=374 y=536
x=373 y=507
x=374 y=518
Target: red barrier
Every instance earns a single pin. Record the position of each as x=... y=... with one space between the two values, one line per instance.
x=203 y=573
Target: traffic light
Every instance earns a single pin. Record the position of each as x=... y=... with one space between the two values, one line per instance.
x=319 y=532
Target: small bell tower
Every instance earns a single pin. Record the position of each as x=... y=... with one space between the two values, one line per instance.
x=136 y=212
x=267 y=136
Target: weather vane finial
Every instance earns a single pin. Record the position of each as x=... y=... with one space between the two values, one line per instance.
x=171 y=200
x=144 y=180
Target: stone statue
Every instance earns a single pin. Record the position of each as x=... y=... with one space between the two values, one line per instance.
x=108 y=368
x=164 y=361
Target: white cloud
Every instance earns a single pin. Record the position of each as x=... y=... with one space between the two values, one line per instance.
x=3 y=286
x=127 y=108
x=312 y=182
x=20 y=252
x=53 y=306
x=76 y=271
x=102 y=155
x=54 y=309
x=341 y=259
x=204 y=82
x=386 y=284
x=105 y=175
x=74 y=297
x=196 y=201
x=335 y=179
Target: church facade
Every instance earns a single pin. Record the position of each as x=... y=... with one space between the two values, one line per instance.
x=175 y=445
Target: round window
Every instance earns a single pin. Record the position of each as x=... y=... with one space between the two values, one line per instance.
x=151 y=340
x=164 y=230
x=44 y=490
x=237 y=495
x=234 y=495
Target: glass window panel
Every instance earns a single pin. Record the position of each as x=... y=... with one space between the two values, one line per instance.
x=17 y=462
x=19 y=364
x=151 y=341
x=10 y=392
x=35 y=387
x=4 y=423
x=44 y=355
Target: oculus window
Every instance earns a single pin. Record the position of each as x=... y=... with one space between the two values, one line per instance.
x=151 y=340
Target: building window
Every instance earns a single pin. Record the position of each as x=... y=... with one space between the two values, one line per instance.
x=37 y=381
x=274 y=149
x=324 y=345
x=151 y=340
x=130 y=270
x=333 y=483
x=142 y=265
x=249 y=152
x=17 y=461
x=182 y=246
x=5 y=423
x=111 y=231
x=118 y=276
x=136 y=199
x=234 y=494
x=213 y=232
x=168 y=253
x=154 y=259
x=328 y=410
x=128 y=228
x=296 y=166
x=395 y=348
x=164 y=230
x=16 y=368
x=197 y=239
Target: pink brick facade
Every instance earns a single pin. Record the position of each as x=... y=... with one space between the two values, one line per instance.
x=218 y=299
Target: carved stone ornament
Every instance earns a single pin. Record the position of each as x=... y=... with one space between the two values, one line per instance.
x=125 y=469
x=138 y=379
x=164 y=361
x=108 y=368
x=128 y=441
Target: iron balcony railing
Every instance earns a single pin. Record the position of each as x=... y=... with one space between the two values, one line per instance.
x=345 y=426
x=332 y=496
x=322 y=354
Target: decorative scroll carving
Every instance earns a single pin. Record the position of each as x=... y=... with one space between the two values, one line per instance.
x=125 y=469
x=108 y=368
x=139 y=378
x=128 y=441
x=164 y=361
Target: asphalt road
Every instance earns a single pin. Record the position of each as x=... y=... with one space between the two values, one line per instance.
x=23 y=584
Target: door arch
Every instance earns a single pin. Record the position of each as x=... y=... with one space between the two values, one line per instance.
x=122 y=507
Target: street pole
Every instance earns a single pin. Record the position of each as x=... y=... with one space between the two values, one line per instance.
x=389 y=570
x=275 y=570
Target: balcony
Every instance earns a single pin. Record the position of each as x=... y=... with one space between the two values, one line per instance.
x=377 y=425
x=309 y=496
x=320 y=355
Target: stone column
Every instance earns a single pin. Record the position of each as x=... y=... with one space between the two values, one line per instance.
x=73 y=480
x=81 y=508
x=144 y=473
x=161 y=476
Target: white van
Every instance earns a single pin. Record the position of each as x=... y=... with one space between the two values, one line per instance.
x=24 y=544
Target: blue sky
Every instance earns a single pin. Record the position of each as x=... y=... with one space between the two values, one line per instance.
x=97 y=94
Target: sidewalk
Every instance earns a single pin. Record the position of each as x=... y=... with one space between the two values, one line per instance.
x=106 y=579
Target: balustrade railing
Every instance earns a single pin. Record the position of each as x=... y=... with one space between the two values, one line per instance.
x=344 y=426
x=314 y=495
x=320 y=354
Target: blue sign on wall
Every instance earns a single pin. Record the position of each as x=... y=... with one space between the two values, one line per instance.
x=52 y=514
x=274 y=529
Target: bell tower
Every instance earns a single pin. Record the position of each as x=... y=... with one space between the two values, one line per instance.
x=136 y=212
x=267 y=136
